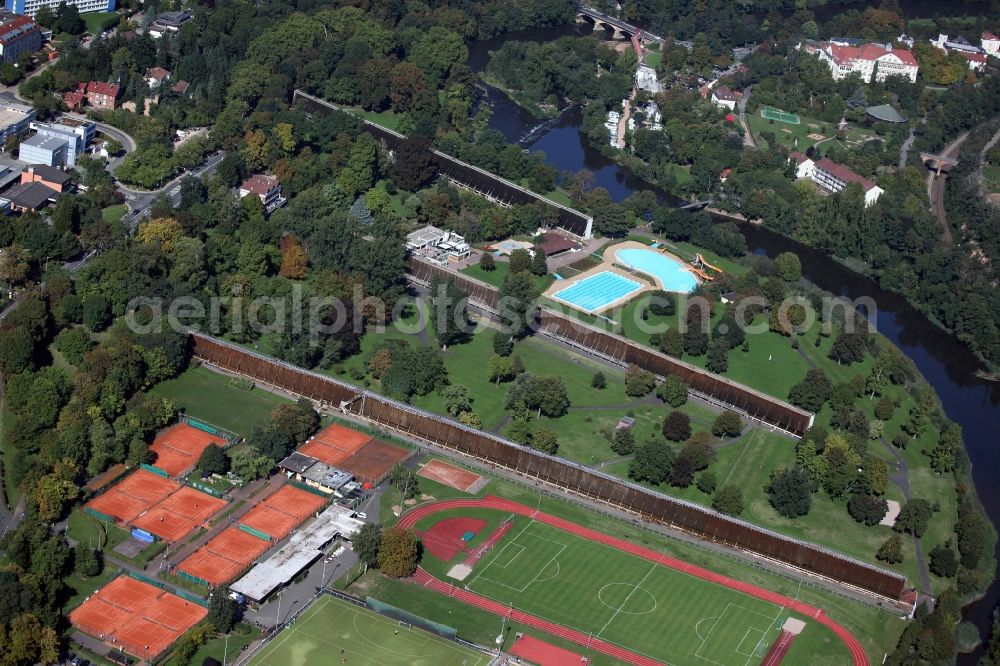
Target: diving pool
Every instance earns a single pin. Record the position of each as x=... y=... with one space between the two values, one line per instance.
x=671 y=274
x=597 y=291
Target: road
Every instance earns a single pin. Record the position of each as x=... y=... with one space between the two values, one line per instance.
x=936 y=185
x=139 y=201
x=748 y=140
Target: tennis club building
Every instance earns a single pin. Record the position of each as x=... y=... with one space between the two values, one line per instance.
x=833 y=177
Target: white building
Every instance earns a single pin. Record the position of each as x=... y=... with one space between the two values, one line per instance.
x=31 y=7
x=833 y=177
x=78 y=134
x=871 y=61
x=723 y=97
x=437 y=244
x=645 y=79
x=266 y=188
x=990 y=44
x=15 y=119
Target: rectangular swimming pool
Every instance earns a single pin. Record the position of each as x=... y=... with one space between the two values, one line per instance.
x=597 y=291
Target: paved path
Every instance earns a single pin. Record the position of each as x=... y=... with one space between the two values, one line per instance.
x=936 y=185
x=748 y=140
x=858 y=654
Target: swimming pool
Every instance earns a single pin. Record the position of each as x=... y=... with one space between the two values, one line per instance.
x=671 y=274
x=597 y=291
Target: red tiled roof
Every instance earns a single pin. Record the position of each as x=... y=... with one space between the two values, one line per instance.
x=843 y=173
x=990 y=36
x=157 y=73
x=797 y=156
x=974 y=57
x=870 y=52
x=181 y=87
x=101 y=88
x=555 y=243
x=73 y=98
x=259 y=184
x=725 y=94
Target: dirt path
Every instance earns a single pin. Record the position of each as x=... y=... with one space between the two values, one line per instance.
x=936 y=184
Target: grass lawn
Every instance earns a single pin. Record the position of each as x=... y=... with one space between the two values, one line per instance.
x=992 y=175
x=331 y=628
x=113 y=213
x=208 y=396
x=97 y=21
x=786 y=134
x=494 y=277
x=217 y=648
x=83 y=587
x=653 y=59
x=559 y=197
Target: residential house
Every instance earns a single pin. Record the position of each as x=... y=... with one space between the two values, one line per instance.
x=833 y=177
x=31 y=7
x=168 y=22
x=102 y=95
x=42 y=149
x=723 y=97
x=18 y=34
x=77 y=133
x=29 y=197
x=181 y=87
x=267 y=188
x=974 y=61
x=75 y=99
x=52 y=178
x=870 y=61
x=15 y=119
x=990 y=44
x=156 y=76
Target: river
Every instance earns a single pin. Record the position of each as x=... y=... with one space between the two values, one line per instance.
x=944 y=361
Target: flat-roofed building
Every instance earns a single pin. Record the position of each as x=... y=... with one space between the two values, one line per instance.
x=40 y=149
x=316 y=474
x=31 y=7
x=168 y=22
x=15 y=119
x=77 y=133
x=437 y=244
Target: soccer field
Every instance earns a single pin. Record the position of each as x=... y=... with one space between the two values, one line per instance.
x=332 y=631
x=646 y=607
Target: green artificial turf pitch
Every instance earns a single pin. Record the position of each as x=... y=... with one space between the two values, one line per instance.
x=632 y=602
x=332 y=631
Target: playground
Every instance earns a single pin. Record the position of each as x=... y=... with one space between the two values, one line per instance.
x=136 y=617
x=629 y=602
x=178 y=448
x=332 y=631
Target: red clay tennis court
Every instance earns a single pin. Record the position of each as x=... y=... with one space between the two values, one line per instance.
x=374 y=461
x=449 y=475
x=178 y=514
x=224 y=557
x=137 y=617
x=283 y=511
x=334 y=444
x=178 y=448
x=135 y=494
x=539 y=652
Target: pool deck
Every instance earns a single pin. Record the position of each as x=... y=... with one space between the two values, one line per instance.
x=611 y=258
x=559 y=285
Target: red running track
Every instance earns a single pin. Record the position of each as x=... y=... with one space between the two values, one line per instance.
x=779 y=649
x=408 y=520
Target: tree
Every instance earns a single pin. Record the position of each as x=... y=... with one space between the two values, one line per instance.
x=942 y=454
x=294 y=260
x=14 y=265
x=547 y=395
x=849 y=347
x=727 y=424
x=162 y=231
x=520 y=260
x=213 y=460
x=695 y=341
x=812 y=391
x=662 y=303
x=397 y=553
x=545 y=441
x=789 y=267
x=677 y=426
x=885 y=408
x=913 y=517
x=456 y=399
x=68 y=19
x=86 y=560
x=867 y=509
x=729 y=500
x=500 y=369
x=891 y=551
x=223 y=612
x=249 y=464
x=944 y=563
x=791 y=491
x=471 y=419
x=516 y=303
x=17 y=350
x=73 y=344
x=96 y=312
x=487 y=263
x=638 y=382
x=415 y=164
x=652 y=463
x=503 y=344
x=718 y=356
x=404 y=480
x=365 y=544
x=673 y=391
x=449 y=303
x=706 y=482
x=598 y=381
x=538 y=264
x=623 y=441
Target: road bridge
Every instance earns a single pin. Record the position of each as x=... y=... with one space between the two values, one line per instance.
x=939 y=163
x=621 y=28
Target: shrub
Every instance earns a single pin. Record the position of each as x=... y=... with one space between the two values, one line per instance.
x=598 y=381
x=729 y=500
